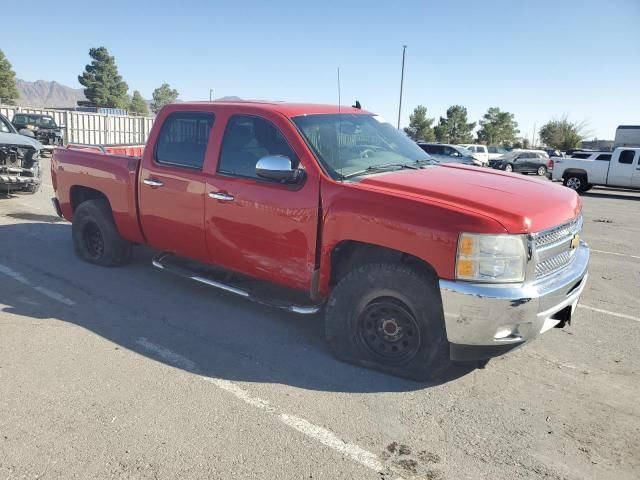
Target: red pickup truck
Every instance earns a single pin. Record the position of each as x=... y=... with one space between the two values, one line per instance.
x=306 y=207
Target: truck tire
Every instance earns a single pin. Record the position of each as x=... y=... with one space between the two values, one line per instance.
x=95 y=237
x=34 y=187
x=576 y=181
x=388 y=316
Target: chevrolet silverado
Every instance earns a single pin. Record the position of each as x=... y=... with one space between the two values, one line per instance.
x=309 y=207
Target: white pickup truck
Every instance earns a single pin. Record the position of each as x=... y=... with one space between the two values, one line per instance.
x=621 y=169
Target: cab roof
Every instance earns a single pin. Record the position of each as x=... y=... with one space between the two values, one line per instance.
x=284 y=108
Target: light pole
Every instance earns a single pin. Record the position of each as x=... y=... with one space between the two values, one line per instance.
x=404 y=49
x=210 y=94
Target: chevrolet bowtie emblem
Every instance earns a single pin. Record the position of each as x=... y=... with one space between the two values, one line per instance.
x=575 y=241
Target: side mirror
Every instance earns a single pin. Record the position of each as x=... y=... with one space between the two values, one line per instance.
x=27 y=133
x=276 y=167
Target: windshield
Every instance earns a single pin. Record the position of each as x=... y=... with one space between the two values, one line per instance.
x=465 y=152
x=45 y=122
x=348 y=144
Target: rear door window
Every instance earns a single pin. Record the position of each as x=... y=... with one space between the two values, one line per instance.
x=604 y=156
x=183 y=139
x=626 y=157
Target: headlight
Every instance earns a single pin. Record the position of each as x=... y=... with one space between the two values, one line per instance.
x=491 y=258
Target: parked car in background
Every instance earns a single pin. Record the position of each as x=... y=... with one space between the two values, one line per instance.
x=523 y=161
x=570 y=152
x=496 y=151
x=627 y=136
x=44 y=127
x=620 y=168
x=19 y=160
x=552 y=152
x=478 y=151
x=445 y=153
x=592 y=155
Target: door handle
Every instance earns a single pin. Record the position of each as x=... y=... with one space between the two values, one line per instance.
x=225 y=197
x=153 y=182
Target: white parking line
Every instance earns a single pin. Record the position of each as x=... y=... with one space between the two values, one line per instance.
x=18 y=277
x=617 y=254
x=167 y=355
x=607 y=312
x=322 y=435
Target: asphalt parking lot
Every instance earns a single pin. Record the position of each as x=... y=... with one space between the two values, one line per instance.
x=133 y=373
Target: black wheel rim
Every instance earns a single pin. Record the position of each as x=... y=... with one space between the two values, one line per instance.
x=93 y=241
x=388 y=330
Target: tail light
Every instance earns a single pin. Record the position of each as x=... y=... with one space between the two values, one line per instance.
x=550 y=165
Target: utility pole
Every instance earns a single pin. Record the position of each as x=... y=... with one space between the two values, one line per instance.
x=533 y=136
x=404 y=49
x=210 y=94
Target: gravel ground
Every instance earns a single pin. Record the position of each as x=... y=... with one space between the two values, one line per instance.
x=132 y=373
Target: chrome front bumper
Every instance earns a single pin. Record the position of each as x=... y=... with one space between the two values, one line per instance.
x=505 y=316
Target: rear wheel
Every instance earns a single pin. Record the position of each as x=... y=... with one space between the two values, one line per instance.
x=576 y=182
x=389 y=317
x=542 y=170
x=95 y=237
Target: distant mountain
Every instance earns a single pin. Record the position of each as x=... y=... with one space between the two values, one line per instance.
x=42 y=93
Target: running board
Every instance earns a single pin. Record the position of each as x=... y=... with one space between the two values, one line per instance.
x=171 y=263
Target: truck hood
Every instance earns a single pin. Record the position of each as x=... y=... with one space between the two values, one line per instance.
x=519 y=203
x=18 y=140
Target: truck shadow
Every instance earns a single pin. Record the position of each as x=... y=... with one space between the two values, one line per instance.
x=612 y=193
x=176 y=321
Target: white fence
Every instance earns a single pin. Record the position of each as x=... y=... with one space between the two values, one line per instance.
x=93 y=128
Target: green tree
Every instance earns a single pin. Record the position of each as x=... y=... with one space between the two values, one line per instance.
x=497 y=128
x=8 y=90
x=138 y=104
x=163 y=95
x=562 y=134
x=454 y=128
x=104 y=87
x=420 y=125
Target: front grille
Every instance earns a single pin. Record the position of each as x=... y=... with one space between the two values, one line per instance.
x=553 y=264
x=553 y=247
x=558 y=234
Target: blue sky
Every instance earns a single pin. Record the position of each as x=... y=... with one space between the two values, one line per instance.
x=537 y=59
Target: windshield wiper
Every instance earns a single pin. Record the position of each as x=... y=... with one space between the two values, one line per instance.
x=380 y=168
x=429 y=161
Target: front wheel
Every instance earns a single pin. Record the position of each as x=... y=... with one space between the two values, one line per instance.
x=389 y=317
x=542 y=170
x=508 y=168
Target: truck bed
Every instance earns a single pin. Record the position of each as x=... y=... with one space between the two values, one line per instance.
x=80 y=172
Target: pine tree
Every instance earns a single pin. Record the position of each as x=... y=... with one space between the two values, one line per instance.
x=498 y=127
x=138 y=104
x=8 y=90
x=420 y=125
x=104 y=87
x=454 y=128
